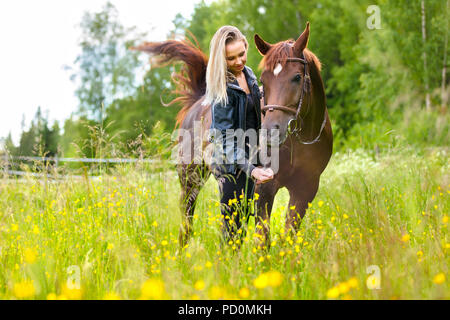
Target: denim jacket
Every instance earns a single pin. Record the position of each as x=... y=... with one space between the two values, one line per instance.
x=233 y=116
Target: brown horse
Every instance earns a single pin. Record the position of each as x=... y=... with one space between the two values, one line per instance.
x=190 y=88
x=295 y=104
x=301 y=175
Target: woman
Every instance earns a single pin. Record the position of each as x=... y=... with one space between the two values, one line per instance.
x=233 y=92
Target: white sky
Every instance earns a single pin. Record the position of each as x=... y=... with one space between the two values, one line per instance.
x=39 y=37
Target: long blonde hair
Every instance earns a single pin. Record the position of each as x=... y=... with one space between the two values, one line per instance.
x=217 y=73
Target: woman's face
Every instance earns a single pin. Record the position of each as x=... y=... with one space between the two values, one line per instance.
x=236 y=56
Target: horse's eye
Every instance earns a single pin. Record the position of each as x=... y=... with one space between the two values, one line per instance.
x=297 y=78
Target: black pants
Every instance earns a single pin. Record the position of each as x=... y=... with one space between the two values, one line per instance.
x=236 y=197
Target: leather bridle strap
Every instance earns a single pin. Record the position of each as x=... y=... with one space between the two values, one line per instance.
x=271 y=107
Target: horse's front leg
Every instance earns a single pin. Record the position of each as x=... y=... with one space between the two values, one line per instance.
x=266 y=193
x=300 y=195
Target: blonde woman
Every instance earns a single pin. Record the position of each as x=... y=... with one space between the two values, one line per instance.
x=233 y=92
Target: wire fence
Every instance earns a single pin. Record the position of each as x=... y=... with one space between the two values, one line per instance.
x=8 y=161
x=86 y=160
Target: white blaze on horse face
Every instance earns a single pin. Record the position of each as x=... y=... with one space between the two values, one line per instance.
x=277 y=70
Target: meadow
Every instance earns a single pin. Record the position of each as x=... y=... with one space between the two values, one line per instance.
x=377 y=229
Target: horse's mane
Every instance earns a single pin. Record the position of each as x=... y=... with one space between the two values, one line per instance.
x=190 y=82
x=283 y=50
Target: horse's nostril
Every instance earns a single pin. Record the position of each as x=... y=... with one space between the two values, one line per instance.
x=277 y=127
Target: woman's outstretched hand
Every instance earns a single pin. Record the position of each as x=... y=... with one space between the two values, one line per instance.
x=262 y=175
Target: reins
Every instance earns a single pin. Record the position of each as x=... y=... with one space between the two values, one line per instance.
x=293 y=127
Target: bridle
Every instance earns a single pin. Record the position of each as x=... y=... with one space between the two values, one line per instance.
x=292 y=126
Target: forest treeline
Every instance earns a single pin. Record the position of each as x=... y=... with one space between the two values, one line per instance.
x=384 y=65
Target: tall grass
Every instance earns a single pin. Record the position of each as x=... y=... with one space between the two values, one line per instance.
x=413 y=126
x=117 y=237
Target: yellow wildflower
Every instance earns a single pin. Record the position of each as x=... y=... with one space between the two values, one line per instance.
x=439 y=278
x=343 y=287
x=51 y=296
x=199 y=285
x=333 y=293
x=35 y=229
x=111 y=296
x=271 y=278
x=152 y=289
x=406 y=237
x=262 y=281
x=71 y=293
x=244 y=293
x=216 y=293
x=274 y=278
x=353 y=282
x=30 y=255
x=24 y=289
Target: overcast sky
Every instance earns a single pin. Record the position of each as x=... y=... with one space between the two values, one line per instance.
x=40 y=37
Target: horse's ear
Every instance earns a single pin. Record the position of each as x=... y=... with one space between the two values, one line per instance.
x=302 y=41
x=263 y=46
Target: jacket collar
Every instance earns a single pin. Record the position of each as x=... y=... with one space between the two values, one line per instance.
x=249 y=76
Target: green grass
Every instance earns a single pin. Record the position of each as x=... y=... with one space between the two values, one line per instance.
x=120 y=235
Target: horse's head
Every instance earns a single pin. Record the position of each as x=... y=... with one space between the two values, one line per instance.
x=286 y=83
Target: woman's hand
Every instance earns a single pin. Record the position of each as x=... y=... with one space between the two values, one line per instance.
x=262 y=175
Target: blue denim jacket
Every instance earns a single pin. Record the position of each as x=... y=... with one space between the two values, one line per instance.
x=232 y=116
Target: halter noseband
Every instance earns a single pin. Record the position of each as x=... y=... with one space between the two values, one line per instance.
x=293 y=122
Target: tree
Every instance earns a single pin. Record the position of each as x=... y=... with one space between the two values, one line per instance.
x=107 y=69
x=138 y=113
x=39 y=139
x=9 y=146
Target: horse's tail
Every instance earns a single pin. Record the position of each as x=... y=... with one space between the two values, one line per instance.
x=190 y=82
